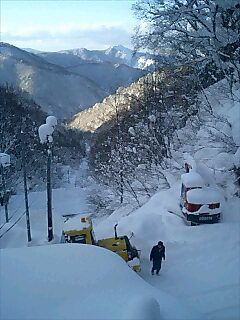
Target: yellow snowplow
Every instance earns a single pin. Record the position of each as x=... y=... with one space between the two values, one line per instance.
x=79 y=229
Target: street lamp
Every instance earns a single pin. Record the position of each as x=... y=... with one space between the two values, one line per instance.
x=45 y=132
x=24 y=167
x=4 y=162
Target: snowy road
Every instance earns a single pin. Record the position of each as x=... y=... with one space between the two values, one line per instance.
x=202 y=262
x=65 y=201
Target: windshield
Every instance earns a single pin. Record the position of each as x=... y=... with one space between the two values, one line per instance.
x=76 y=239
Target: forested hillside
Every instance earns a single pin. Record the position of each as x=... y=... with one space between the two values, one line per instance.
x=62 y=84
x=152 y=170
x=136 y=130
x=20 y=118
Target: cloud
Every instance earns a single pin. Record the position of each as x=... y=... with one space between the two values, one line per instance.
x=69 y=36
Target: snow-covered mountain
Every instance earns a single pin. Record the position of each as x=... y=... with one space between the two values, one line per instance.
x=116 y=55
x=55 y=89
x=108 y=75
x=57 y=85
x=32 y=50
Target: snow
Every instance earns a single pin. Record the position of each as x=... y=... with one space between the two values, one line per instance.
x=58 y=91
x=198 y=280
x=206 y=173
x=5 y=159
x=45 y=133
x=190 y=161
x=133 y=262
x=236 y=158
x=144 y=63
x=234 y=118
x=203 y=196
x=113 y=55
x=202 y=263
x=226 y=106
x=51 y=121
x=40 y=273
x=71 y=282
x=131 y=131
x=142 y=308
x=224 y=161
x=78 y=222
x=152 y=118
x=192 y=179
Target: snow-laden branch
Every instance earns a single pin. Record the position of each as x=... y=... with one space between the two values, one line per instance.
x=193 y=28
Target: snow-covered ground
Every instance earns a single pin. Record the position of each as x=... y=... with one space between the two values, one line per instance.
x=199 y=279
x=202 y=263
x=69 y=281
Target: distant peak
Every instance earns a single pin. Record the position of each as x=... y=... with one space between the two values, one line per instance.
x=5 y=44
x=118 y=47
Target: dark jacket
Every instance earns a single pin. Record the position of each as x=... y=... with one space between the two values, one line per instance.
x=157 y=254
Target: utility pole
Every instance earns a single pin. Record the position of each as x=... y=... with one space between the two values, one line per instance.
x=4 y=162
x=45 y=132
x=5 y=198
x=119 y=149
x=49 y=192
x=26 y=192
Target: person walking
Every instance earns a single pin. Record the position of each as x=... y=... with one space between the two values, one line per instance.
x=156 y=256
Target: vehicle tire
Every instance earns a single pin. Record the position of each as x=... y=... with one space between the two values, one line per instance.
x=193 y=224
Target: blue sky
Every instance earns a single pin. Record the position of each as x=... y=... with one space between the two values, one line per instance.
x=55 y=25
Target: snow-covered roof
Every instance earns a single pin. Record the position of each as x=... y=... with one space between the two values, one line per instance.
x=78 y=222
x=204 y=195
x=192 y=179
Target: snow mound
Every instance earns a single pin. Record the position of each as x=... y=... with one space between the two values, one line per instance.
x=71 y=282
x=203 y=196
x=143 y=309
x=192 y=179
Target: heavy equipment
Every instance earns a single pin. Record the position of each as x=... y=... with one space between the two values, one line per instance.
x=79 y=229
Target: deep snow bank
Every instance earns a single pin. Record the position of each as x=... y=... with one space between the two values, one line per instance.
x=73 y=281
x=63 y=281
x=202 y=262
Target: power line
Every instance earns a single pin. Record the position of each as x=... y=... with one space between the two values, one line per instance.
x=13 y=225
x=19 y=218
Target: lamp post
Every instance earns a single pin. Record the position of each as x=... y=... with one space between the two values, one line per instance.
x=4 y=162
x=49 y=192
x=45 y=132
x=29 y=237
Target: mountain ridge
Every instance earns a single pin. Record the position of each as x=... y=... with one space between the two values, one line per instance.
x=115 y=54
x=56 y=88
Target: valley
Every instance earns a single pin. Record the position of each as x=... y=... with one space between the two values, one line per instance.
x=120 y=136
